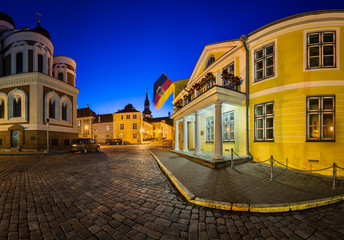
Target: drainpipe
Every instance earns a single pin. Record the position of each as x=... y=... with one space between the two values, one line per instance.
x=244 y=42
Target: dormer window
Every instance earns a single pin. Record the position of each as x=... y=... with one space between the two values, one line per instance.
x=210 y=60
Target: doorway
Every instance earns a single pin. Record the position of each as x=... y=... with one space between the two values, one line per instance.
x=15 y=136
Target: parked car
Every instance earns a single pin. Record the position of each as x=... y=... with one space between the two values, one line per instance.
x=84 y=145
x=113 y=141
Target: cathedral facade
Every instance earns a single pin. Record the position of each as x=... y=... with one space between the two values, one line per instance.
x=37 y=90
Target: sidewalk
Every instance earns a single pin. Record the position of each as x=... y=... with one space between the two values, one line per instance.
x=247 y=187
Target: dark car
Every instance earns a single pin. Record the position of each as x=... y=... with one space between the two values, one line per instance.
x=113 y=141
x=84 y=145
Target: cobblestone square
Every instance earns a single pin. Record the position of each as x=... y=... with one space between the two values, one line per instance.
x=120 y=193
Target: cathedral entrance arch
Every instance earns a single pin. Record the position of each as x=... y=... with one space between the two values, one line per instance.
x=15 y=138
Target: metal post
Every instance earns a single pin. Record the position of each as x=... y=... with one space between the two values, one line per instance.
x=271 y=168
x=232 y=164
x=47 y=134
x=286 y=162
x=334 y=176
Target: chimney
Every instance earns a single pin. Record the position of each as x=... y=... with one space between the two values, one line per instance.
x=87 y=106
x=169 y=114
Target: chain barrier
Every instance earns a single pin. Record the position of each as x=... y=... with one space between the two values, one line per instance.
x=334 y=166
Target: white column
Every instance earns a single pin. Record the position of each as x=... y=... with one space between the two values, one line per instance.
x=197 y=133
x=34 y=59
x=176 y=135
x=218 y=132
x=185 y=134
x=219 y=81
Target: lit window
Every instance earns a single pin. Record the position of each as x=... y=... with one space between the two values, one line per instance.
x=320 y=118
x=210 y=60
x=264 y=122
x=121 y=126
x=264 y=62
x=134 y=126
x=107 y=128
x=321 y=50
x=228 y=126
x=210 y=129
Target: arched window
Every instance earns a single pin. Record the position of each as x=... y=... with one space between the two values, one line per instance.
x=17 y=107
x=40 y=63
x=64 y=112
x=19 y=62
x=66 y=109
x=2 y=108
x=211 y=59
x=60 y=76
x=51 y=109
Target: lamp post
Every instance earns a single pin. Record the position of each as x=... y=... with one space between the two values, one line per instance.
x=47 y=134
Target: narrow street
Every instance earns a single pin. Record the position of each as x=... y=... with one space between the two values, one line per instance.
x=120 y=193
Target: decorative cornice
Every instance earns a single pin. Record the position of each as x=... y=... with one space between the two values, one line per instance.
x=35 y=78
x=65 y=60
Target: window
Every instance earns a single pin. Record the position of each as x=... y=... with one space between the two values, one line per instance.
x=264 y=122
x=321 y=49
x=264 y=62
x=79 y=123
x=2 y=108
x=54 y=142
x=229 y=68
x=134 y=125
x=134 y=116
x=135 y=136
x=121 y=117
x=210 y=129
x=107 y=128
x=66 y=142
x=320 y=118
x=121 y=126
x=60 y=76
x=128 y=117
x=19 y=62
x=40 y=63
x=64 y=112
x=51 y=109
x=17 y=107
x=153 y=127
x=228 y=126
x=210 y=60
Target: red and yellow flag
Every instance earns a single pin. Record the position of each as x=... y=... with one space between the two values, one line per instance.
x=163 y=87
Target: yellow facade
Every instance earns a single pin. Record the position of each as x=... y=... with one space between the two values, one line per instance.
x=294 y=87
x=127 y=126
x=162 y=131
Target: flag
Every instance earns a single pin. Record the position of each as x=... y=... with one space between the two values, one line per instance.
x=163 y=87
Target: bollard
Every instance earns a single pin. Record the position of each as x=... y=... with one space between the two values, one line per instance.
x=334 y=176
x=232 y=164
x=286 y=163
x=271 y=168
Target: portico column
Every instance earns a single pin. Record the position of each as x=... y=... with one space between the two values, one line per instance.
x=218 y=132
x=176 y=136
x=197 y=133
x=185 y=134
x=193 y=133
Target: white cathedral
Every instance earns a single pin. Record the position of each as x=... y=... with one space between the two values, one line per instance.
x=35 y=88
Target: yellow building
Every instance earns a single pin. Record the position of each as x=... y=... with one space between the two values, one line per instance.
x=128 y=125
x=85 y=117
x=162 y=128
x=276 y=91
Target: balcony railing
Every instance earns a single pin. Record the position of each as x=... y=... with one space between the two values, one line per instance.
x=228 y=81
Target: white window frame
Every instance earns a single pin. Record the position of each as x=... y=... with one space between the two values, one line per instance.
x=264 y=118
x=305 y=49
x=3 y=97
x=17 y=93
x=228 y=122
x=210 y=128
x=320 y=112
x=52 y=95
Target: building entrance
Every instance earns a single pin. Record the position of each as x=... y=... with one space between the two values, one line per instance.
x=15 y=135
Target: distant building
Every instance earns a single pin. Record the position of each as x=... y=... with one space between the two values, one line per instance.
x=102 y=127
x=128 y=125
x=85 y=119
x=147 y=114
x=36 y=88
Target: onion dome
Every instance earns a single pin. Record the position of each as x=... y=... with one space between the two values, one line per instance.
x=41 y=30
x=7 y=18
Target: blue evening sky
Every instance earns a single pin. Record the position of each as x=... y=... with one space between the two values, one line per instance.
x=122 y=47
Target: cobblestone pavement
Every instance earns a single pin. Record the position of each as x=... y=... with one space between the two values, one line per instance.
x=121 y=193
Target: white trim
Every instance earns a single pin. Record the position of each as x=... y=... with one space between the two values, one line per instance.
x=48 y=96
x=17 y=93
x=305 y=56
x=326 y=83
x=3 y=97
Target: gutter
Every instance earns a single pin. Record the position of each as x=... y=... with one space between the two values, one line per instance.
x=244 y=42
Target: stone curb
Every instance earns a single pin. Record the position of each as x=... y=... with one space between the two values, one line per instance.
x=244 y=207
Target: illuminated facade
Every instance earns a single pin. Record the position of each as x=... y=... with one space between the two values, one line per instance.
x=277 y=91
x=34 y=86
x=85 y=118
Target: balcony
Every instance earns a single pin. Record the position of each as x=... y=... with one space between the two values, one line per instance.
x=225 y=80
